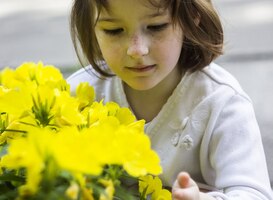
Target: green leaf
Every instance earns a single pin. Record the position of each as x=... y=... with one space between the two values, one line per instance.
x=122 y=194
x=10 y=176
x=6 y=193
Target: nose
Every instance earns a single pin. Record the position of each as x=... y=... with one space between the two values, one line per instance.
x=138 y=47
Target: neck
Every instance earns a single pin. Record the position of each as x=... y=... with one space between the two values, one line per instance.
x=148 y=103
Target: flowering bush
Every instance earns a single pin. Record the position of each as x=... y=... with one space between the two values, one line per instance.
x=57 y=146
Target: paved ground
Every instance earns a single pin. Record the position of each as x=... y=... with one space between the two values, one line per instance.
x=33 y=30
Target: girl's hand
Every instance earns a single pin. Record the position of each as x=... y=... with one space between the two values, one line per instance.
x=185 y=188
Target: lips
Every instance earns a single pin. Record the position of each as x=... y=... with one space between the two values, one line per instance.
x=141 y=68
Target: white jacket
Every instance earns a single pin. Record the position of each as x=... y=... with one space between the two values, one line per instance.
x=207 y=128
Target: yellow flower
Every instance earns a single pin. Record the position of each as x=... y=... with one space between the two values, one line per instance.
x=47 y=74
x=162 y=194
x=22 y=154
x=7 y=78
x=83 y=157
x=109 y=189
x=85 y=95
x=39 y=73
x=10 y=131
x=87 y=194
x=32 y=181
x=112 y=108
x=74 y=135
x=153 y=186
x=125 y=116
x=43 y=105
x=146 y=183
x=1 y=170
x=26 y=72
x=103 y=140
x=96 y=112
x=32 y=153
x=72 y=191
x=14 y=102
x=137 y=161
x=67 y=110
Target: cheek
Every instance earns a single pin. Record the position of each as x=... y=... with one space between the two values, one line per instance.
x=106 y=46
x=168 y=48
x=113 y=57
x=168 y=51
x=111 y=51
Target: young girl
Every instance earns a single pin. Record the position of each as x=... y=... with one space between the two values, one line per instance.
x=155 y=57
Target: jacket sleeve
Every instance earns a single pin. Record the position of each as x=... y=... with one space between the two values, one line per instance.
x=236 y=159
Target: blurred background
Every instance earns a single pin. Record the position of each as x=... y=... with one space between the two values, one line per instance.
x=34 y=30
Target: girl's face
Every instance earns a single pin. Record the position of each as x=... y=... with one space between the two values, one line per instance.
x=139 y=43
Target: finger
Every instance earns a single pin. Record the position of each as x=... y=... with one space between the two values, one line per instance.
x=185 y=188
x=184 y=180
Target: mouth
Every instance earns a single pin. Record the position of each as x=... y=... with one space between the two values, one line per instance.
x=141 y=68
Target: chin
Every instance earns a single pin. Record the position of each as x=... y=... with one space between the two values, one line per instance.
x=143 y=87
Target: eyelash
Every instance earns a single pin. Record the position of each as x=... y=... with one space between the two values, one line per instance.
x=158 y=28
x=113 y=32
x=152 y=28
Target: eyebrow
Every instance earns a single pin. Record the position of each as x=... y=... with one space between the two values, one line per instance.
x=112 y=19
x=107 y=19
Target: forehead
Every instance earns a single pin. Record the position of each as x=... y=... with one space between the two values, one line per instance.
x=114 y=6
x=152 y=3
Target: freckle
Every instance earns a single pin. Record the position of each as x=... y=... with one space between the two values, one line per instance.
x=135 y=39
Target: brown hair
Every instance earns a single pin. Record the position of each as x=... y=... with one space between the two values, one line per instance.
x=203 y=32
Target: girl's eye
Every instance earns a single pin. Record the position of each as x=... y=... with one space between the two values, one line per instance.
x=157 y=28
x=113 y=31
